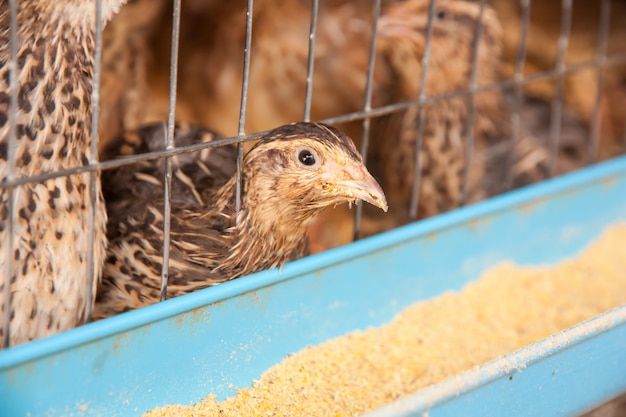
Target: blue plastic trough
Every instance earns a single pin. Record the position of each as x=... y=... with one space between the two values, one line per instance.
x=220 y=339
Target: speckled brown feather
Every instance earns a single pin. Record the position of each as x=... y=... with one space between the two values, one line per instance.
x=195 y=176
x=55 y=71
x=401 y=44
x=210 y=242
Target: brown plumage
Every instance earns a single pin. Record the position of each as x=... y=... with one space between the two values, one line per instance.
x=289 y=177
x=581 y=86
x=195 y=176
x=126 y=59
x=55 y=70
x=402 y=34
x=211 y=61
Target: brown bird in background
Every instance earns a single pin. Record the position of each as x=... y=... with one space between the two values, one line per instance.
x=50 y=240
x=126 y=60
x=581 y=86
x=211 y=62
x=402 y=36
x=290 y=175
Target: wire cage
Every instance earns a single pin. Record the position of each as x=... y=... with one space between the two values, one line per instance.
x=557 y=109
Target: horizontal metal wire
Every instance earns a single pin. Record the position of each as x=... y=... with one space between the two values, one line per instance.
x=600 y=62
x=615 y=59
x=147 y=156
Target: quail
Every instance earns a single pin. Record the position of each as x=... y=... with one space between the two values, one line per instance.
x=289 y=177
x=49 y=241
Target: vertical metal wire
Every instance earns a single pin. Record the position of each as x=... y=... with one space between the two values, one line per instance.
x=310 y=61
x=93 y=159
x=516 y=113
x=367 y=106
x=471 y=108
x=10 y=190
x=596 y=118
x=557 y=101
x=420 y=115
x=244 y=101
x=171 y=118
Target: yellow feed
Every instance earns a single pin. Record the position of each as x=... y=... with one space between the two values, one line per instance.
x=507 y=308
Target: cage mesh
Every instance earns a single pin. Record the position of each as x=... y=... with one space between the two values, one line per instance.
x=514 y=87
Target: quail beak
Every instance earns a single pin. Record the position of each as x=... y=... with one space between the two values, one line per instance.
x=356 y=183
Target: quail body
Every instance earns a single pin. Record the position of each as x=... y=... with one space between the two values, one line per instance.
x=580 y=87
x=211 y=50
x=289 y=177
x=401 y=45
x=49 y=255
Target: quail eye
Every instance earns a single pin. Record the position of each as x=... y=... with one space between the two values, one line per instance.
x=306 y=157
x=441 y=14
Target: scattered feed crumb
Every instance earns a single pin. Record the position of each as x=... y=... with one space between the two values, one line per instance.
x=507 y=308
